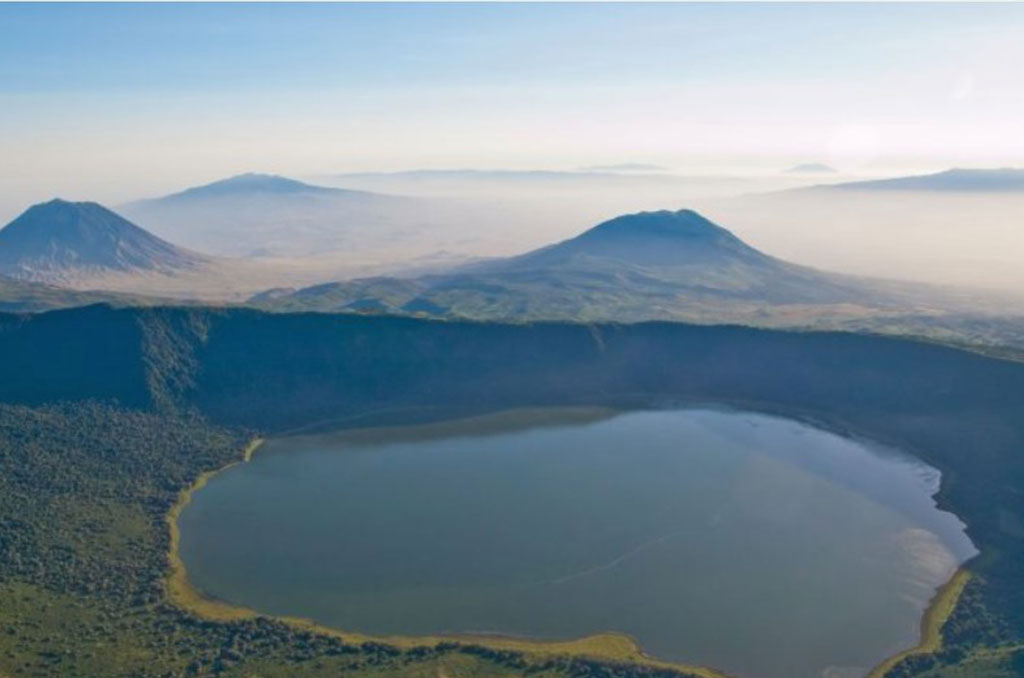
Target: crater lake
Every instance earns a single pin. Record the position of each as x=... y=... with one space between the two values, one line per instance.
x=757 y=545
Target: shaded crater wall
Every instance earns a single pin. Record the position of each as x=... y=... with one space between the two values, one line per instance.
x=961 y=412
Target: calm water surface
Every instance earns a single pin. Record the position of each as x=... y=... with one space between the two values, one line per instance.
x=757 y=545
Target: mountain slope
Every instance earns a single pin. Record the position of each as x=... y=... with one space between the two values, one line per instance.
x=262 y=214
x=60 y=242
x=650 y=265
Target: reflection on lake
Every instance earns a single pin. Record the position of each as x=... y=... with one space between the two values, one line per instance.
x=757 y=545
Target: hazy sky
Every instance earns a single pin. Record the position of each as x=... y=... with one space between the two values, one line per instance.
x=111 y=102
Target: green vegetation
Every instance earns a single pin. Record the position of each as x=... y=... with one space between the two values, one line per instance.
x=86 y=488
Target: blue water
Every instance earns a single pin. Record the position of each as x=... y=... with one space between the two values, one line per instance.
x=757 y=545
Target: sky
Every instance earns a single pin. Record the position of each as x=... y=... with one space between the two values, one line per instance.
x=114 y=102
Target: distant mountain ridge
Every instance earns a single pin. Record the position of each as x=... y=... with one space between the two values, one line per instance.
x=269 y=215
x=625 y=167
x=60 y=241
x=249 y=183
x=811 y=168
x=1004 y=179
x=476 y=174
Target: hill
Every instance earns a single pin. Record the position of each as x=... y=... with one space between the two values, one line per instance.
x=269 y=215
x=648 y=238
x=250 y=183
x=60 y=242
x=649 y=265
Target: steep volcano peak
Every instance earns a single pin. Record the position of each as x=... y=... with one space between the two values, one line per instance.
x=65 y=220
x=58 y=240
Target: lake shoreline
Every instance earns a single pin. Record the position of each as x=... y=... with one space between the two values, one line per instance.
x=938 y=611
x=610 y=646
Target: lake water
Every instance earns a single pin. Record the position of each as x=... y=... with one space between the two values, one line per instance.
x=757 y=545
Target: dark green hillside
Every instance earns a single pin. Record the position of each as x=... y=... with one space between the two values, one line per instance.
x=73 y=355
x=240 y=368
x=277 y=371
